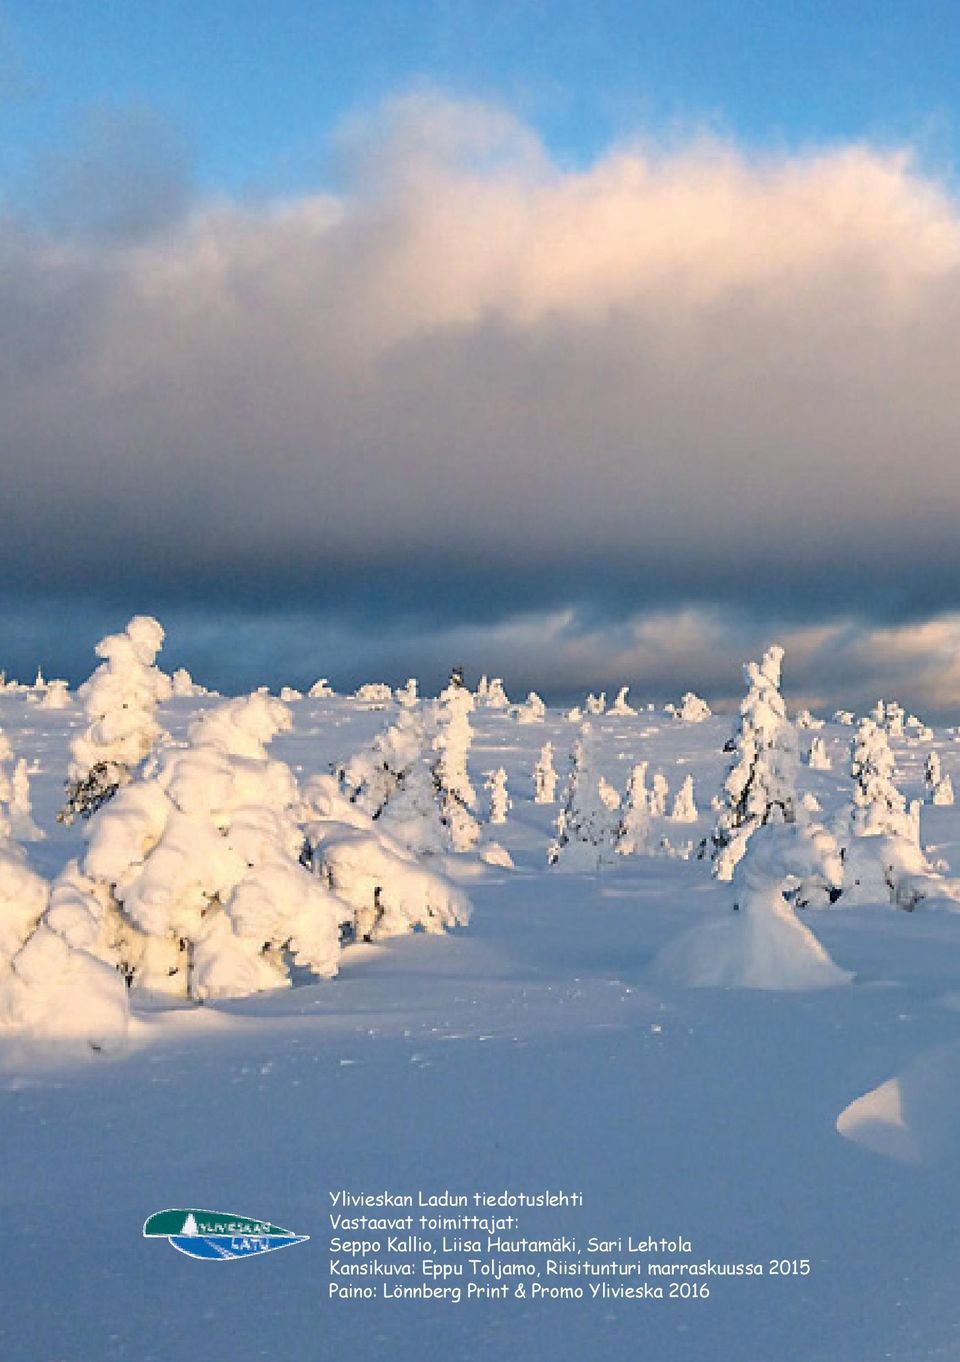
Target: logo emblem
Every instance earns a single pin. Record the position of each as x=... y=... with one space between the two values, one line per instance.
x=218 y=1234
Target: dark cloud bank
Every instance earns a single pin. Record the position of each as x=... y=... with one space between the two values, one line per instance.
x=577 y=428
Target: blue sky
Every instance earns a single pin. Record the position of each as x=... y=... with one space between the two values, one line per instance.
x=254 y=89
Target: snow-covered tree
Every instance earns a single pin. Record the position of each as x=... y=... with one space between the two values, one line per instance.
x=544 y=777
x=692 y=709
x=684 y=805
x=321 y=690
x=392 y=782
x=879 y=807
x=193 y=872
x=596 y=704
x=633 y=833
x=15 y=793
x=805 y=719
x=120 y=705
x=818 y=758
x=585 y=830
x=499 y=803
x=621 y=706
x=760 y=786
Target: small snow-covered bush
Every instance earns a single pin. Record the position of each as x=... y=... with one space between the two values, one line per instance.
x=818 y=758
x=531 y=711
x=692 y=710
x=496 y=697
x=621 y=707
x=375 y=694
x=56 y=696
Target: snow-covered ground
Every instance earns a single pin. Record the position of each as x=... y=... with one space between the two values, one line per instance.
x=537 y=1048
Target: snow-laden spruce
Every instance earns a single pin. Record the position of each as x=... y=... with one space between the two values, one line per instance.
x=457 y=796
x=545 y=776
x=760 y=787
x=389 y=891
x=585 y=832
x=120 y=705
x=763 y=944
x=684 y=808
x=633 y=834
x=193 y=872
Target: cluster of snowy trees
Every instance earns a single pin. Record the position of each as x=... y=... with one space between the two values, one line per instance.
x=207 y=871
x=595 y=824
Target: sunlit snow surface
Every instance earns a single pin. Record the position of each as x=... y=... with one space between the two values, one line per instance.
x=534 y=1048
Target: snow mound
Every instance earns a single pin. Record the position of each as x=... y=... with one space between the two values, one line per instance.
x=913 y=1117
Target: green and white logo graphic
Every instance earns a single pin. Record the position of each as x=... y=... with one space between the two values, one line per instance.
x=216 y=1235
